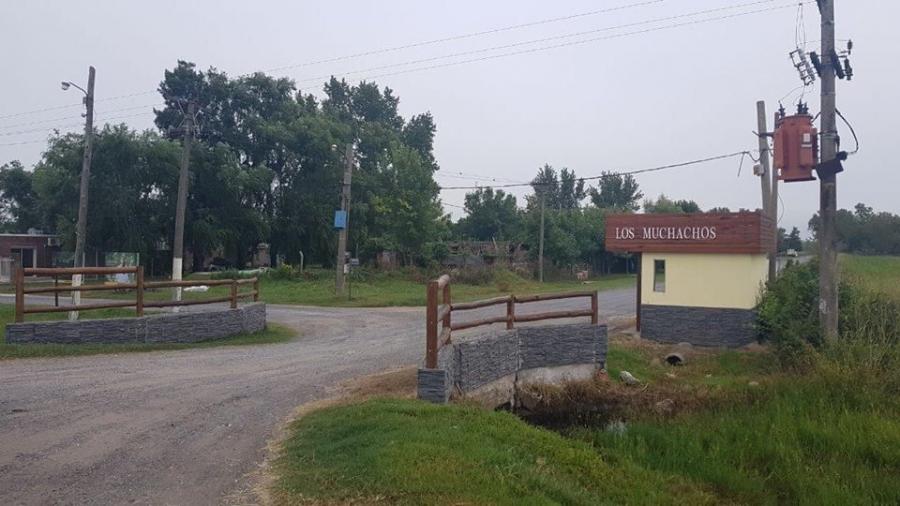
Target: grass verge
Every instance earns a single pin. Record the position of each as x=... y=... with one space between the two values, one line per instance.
x=409 y=452
x=737 y=430
x=272 y=334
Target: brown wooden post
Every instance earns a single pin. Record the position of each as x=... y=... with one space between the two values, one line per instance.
x=431 y=333
x=446 y=322
x=20 y=294
x=56 y=294
x=595 y=309
x=256 y=289
x=637 y=311
x=139 y=291
x=511 y=312
x=234 y=291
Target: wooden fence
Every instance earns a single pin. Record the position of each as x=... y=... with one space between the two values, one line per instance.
x=443 y=312
x=139 y=286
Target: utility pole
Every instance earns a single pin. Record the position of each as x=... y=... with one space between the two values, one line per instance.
x=541 y=244
x=181 y=204
x=81 y=227
x=768 y=179
x=340 y=261
x=828 y=293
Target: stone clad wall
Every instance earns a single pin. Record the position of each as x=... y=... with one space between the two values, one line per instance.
x=187 y=327
x=475 y=363
x=701 y=326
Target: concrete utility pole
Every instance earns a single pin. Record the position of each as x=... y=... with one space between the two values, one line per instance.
x=342 y=233
x=767 y=180
x=541 y=245
x=828 y=291
x=181 y=204
x=81 y=227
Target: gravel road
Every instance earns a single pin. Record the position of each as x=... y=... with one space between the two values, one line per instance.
x=186 y=427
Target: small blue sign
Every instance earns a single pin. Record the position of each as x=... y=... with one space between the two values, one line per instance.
x=340 y=220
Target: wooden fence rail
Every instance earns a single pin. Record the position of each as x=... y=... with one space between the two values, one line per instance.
x=139 y=286
x=443 y=312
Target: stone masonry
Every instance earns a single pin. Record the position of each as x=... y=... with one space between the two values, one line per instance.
x=187 y=327
x=474 y=362
x=701 y=326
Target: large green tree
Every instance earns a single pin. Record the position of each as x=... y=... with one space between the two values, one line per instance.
x=18 y=205
x=664 y=204
x=490 y=215
x=616 y=192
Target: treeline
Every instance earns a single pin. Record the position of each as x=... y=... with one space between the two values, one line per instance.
x=864 y=231
x=266 y=167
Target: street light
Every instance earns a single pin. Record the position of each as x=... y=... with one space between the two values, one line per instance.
x=65 y=86
x=81 y=227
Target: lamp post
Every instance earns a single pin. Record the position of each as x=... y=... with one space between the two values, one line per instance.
x=81 y=227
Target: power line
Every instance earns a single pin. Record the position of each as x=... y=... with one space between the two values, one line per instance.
x=463 y=36
x=25 y=113
x=613 y=173
x=578 y=42
x=544 y=39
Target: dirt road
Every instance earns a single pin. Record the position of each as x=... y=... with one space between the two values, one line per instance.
x=186 y=427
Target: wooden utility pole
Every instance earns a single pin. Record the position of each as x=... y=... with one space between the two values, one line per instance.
x=828 y=291
x=541 y=245
x=340 y=260
x=767 y=180
x=81 y=227
x=181 y=204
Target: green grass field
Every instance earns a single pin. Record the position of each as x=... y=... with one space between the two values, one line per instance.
x=272 y=334
x=877 y=273
x=378 y=289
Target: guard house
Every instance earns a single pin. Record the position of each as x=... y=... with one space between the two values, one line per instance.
x=699 y=274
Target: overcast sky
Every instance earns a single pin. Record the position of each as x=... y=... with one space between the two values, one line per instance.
x=621 y=103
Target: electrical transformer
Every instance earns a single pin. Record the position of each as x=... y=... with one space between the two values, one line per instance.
x=796 y=149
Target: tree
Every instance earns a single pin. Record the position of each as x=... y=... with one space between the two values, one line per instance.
x=616 y=191
x=864 y=231
x=718 y=210
x=18 y=204
x=559 y=191
x=490 y=215
x=664 y=204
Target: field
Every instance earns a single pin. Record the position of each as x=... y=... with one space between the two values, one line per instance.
x=728 y=427
x=379 y=289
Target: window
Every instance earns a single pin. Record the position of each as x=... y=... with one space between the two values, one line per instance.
x=659 y=275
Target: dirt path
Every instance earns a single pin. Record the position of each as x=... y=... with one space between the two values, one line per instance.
x=186 y=427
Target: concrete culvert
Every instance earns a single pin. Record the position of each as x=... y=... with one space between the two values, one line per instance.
x=675 y=359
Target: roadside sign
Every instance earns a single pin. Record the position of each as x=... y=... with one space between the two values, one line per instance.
x=340 y=219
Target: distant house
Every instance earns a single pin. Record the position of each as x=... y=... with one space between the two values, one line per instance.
x=34 y=249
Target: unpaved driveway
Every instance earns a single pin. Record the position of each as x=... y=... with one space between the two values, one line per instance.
x=186 y=427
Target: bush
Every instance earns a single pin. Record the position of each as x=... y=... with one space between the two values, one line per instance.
x=473 y=275
x=231 y=274
x=283 y=272
x=869 y=325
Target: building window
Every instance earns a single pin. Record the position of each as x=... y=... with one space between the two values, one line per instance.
x=659 y=275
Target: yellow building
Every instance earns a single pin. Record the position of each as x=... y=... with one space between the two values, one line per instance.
x=700 y=274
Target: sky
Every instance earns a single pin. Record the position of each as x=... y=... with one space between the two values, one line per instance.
x=612 y=99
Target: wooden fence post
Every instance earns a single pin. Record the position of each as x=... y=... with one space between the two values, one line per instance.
x=20 y=294
x=139 y=291
x=511 y=312
x=256 y=289
x=234 y=291
x=446 y=322
x=431 y=334
x=595 y=309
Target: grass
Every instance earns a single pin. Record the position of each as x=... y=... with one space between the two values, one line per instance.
x=382 y=289
x=272 y=334
x=742 y=432
x=409 y=452
x=880 y=274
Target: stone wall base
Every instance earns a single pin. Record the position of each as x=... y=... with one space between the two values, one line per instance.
x=701 y=326
x=187 y=327
x=489 y=368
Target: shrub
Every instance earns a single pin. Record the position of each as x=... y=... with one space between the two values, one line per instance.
x=231 y=274
x=283 y=272
x=473 y=275
x=869 y=324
